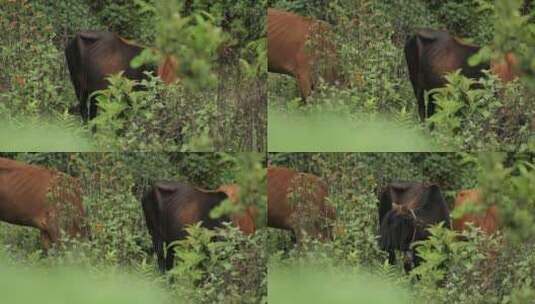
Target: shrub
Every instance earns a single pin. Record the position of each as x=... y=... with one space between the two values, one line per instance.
x=231 y=269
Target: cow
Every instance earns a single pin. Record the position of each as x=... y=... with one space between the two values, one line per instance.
x=487 y=221
x=169 y=207
x=92 y=56
x=42 y=198
x=406 y=210
x=297 y=46
x=289 y=192
x=431 y=54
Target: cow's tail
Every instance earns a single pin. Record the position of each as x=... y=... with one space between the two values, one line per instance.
x=151 y=208
x=412 y=55
x=76 y=57
x=72 y=54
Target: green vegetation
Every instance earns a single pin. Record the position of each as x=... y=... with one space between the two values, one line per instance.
x=230 y=268
x=483 y=269
x=370 y=38
x=312 y=286
x=219 y=102
x=67 y=285
x=34 y=134
x=319 y=129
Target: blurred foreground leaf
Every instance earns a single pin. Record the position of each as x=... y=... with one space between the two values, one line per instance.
x=43 y=136
x=308 y=286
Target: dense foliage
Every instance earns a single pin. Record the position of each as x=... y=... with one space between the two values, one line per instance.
x=219 y=102
x=370 y=38
x=231 y=269
x=484 y=269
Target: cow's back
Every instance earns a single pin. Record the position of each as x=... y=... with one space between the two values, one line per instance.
x=94 y=55
x=23 y=191
x=278 y=185
x=171 y=206
x=37 y=196
x=107 y=55
x=188 y=206
x=444 y=54
x=287 y=35
x=308 y=188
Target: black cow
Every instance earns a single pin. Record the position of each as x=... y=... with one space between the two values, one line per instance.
x=94 y=55
x=406 y=210
x=169 y=207
x=431 y=54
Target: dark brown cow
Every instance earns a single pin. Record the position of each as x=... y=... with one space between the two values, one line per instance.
x=169 y=207
x=488 y=220
x=42 y=198
x=94 y=55
x=431 y=54
x=406 y=210
x=309 y=191
x=290 y=54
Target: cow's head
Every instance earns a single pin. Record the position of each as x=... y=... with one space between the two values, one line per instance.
x=244 y=220
x=167 y=69
x=470 y=201
x=505 y=67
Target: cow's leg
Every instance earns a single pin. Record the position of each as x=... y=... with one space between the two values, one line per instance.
x=391 y=257
x=407 y=261
x=158 y=249
x=293 y=237
x=49 y=237
x=430 y=106
x=84 y=111
x=302 y=72
x=46 y=241
x=421 y=104
x=170 y=258
x=304 y=82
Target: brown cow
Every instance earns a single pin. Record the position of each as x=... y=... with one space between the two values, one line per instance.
x=92 y=56
x=169 y=207
x=487 y=221
x=309 y=191
x=290 y=54
x=42 y=198
x=431 y=54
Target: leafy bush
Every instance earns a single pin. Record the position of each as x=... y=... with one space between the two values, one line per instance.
x=174 y=118
x=480 y=119
x=231 y=269
x=130 y=18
